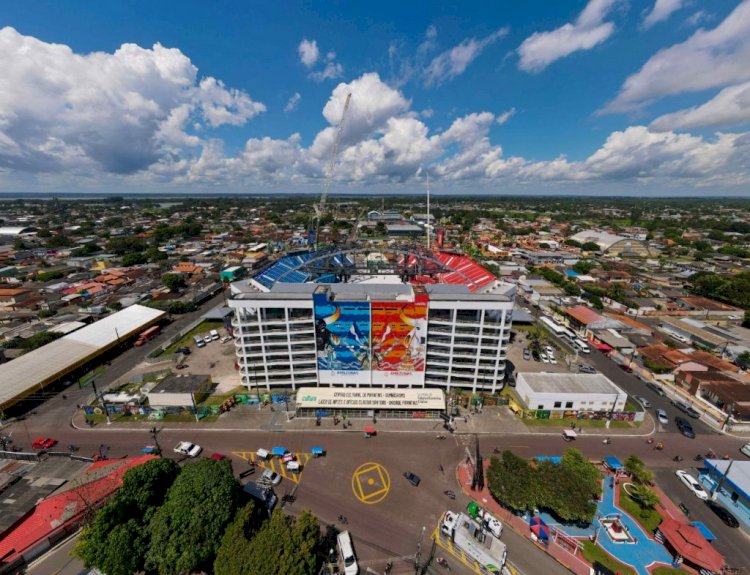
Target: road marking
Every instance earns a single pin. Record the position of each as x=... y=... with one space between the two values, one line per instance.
x=275 y=464
x=371 y=483
x=447 y=545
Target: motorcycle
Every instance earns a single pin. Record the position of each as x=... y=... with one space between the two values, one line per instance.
x=443 y=563
x=440 y=436
x=677 y=458
x=495 y=450
x=450 y=493
x=698 y=457
x=606 y=441
x=343 y=520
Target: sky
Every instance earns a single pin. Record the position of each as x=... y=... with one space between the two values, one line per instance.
x=601 y=97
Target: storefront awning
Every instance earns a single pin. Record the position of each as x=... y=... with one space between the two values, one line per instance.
x=602 y=346
x=688 y=542
x=420 y=399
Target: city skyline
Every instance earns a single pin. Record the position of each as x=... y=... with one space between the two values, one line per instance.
x=649 y=98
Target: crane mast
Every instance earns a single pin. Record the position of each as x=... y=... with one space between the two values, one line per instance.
x=320 y=206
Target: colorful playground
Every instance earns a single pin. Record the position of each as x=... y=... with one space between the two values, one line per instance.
x=622 y=539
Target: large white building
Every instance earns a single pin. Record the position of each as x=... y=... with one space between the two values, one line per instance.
x=372 y=332
x=569 y=392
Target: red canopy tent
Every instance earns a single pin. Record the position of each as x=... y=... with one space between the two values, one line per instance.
x=688 y=542
x=370 y=429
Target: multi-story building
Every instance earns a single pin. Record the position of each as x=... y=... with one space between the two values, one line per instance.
x=375 y=332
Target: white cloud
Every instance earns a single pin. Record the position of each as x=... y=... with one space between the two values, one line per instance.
x=308 y=52
x=293 y=102
x=505 y=116
x=454 y=62
x=331 y=71
x=543 y=48
x=117 y=112
x=661 y=10
x=708 y=59
x=730 y=107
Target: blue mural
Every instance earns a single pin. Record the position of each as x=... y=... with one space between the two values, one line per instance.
x=342 y=331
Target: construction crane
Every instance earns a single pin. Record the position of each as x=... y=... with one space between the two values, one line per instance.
x=321 y=205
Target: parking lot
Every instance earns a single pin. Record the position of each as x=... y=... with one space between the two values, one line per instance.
x=562 y=356
x=216 y=359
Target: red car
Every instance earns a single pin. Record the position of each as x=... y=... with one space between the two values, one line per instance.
x=218 y=456
x=43 y=443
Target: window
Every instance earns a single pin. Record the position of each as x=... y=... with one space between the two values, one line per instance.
x=540 y=406
x=558 y=404
x=568 y=405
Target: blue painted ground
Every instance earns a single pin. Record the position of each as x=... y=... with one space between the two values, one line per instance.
x=638 y=555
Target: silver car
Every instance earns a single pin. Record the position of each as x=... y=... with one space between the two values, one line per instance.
x=662 y=416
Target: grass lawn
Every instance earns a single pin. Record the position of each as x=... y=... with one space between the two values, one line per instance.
x=565 y=423
x=187 y=340
x=648 y=518
x=183 y=417
x=219 y=399
x=593 y=552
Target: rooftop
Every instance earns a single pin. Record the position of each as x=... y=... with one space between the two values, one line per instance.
x=569 y=383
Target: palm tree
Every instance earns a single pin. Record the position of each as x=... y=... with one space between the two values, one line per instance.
x=645 y=497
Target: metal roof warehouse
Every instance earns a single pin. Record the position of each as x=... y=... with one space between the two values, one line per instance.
x=45 y=365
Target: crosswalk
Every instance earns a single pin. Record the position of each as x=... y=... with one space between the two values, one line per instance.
x=447 y=545
x=276 y=465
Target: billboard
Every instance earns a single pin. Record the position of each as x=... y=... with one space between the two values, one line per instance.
x=399 y=341
x=342 y=340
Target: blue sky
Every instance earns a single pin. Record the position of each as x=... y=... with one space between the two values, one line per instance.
x=648 y=97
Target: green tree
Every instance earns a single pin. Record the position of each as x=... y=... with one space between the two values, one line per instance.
x=645 y=497
x=234 y=552
x=584 y=266
x=637 y=470
x=173 y=281
x=186 y=531
x=117 y=540
x=511 y=481
x=743 y=360
x=590 y=247
x=134 y=259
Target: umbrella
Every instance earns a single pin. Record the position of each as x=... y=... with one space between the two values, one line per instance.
x=317 y=451
x=280 y=451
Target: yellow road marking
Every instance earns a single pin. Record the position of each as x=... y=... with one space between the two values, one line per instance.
x=274 y=464
x=366 y=487
x=447 y=545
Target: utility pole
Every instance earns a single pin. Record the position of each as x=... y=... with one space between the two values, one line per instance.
x=104 y=403
x=154 y=435
x=418 y=567
x=720 y=482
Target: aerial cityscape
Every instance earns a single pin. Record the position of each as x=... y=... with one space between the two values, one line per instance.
x=412 y=288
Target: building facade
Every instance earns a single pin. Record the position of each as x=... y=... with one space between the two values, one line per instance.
x=371 y=334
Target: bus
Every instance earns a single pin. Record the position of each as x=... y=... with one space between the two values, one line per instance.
x=552 y=326
x=146 y=335
x=582 y=345
x=568 y=334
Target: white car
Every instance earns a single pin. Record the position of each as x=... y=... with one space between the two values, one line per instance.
x=272 y=477
x=552 y=359
x=187 y=448
x=544 y=357
x=226 y=338
x=662 y=416
x=549 y=349
x=692 y=484
x=643 y=401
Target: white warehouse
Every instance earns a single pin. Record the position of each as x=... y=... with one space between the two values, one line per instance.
x=569 y=392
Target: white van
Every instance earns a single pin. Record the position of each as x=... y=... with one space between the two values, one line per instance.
x=582 y=346
x=346 y=552
x=262 y=453
x=214 y=335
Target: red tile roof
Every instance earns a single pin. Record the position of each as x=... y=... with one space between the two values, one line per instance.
x=64 y=508
x=688 y=542
x=583 y=314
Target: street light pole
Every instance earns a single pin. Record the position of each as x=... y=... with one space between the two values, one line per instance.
x=104 y=403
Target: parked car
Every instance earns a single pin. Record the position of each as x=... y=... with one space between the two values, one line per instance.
x=626 y=368
x=262 y=453
x=214 y=334
x=199 y=342
x=412 y=478
x=685 y=408
x=656 y=388
x=692 y=484
x=526 y=354
x=723 y=514
x=662 y=416
x=188 y=449
x=643 y=401
x=536 y=356
x=685 y=428
x=44 y=443
x=271 y=477
x=184 y=350
x=583 y=368
x=745 y=450
x=552 y=359
x=544 y=357
x=549 y=349
x=226 y=338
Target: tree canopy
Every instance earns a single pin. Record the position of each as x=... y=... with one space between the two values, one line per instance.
x=566 y=489
x=187 y=529
x=117 y=540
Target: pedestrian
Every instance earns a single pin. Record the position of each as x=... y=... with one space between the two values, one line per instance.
x=573 y=425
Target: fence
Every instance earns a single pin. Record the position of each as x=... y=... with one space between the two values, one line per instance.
x=21 y=455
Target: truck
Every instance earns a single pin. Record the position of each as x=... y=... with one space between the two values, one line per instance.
x=146 y=335
x=487 y=551
x=488 y=521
